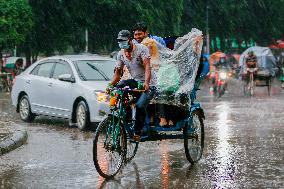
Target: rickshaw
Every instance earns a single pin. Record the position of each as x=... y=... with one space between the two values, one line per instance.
x=113 y=137
x=262 y=75
x=113 y=140
x=114 y=143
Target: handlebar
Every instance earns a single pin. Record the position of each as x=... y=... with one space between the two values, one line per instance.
x=127 y=89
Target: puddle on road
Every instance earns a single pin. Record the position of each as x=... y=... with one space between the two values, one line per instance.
x=243 y=149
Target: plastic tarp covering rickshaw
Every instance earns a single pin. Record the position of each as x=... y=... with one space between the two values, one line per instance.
x=266 y=61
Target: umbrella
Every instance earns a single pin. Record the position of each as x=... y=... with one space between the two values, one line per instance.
x=214 y=58
x=237 y=56
x=279 y=45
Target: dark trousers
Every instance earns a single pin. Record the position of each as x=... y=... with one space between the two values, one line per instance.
x=141 y=104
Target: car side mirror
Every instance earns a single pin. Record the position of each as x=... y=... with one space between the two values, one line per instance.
x=67 y=78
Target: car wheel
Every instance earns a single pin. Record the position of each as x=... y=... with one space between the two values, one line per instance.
x=25 y=109
x=82 y=115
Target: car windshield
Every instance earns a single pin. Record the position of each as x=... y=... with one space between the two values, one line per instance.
x=95 y=70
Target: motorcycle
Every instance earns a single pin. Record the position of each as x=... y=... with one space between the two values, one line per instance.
x=220 y=83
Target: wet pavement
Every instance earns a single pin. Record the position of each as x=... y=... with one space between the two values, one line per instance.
x=5 y=120
x=244 y=148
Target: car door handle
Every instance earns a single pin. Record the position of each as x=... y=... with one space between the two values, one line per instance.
x=28 y=81
x=50 y=84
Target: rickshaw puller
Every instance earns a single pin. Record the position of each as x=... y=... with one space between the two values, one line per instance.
x=136 y=58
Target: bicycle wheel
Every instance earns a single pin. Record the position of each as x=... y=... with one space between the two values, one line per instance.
x=221 y=91
x=245 y=84
x=194 y=137
x=251 y=85
x=269 y=86
x=109 y=147
x=132 y=146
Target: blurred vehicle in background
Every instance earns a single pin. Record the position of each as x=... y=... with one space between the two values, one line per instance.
x=279 y=55
x=266 y=61
x=266 y=68
x=70 y=87
x=233 y=60
x=281 y=65
x=282 y=78
x=220 y=81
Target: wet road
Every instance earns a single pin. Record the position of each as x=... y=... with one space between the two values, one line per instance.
x=244 y=148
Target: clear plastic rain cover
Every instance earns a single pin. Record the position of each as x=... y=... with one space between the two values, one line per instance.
x=177 y=70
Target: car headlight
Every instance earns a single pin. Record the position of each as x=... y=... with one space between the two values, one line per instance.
x=223 y=75
x=101 y=96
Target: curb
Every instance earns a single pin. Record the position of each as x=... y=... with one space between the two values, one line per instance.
x=17 y=139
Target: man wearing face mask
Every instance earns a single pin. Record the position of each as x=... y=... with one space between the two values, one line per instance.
x=222 y=63
x=136 y=58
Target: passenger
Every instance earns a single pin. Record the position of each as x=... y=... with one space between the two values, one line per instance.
x=141 y=36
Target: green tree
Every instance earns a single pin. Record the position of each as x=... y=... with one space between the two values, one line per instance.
x=15 y=23
x=52 y=29
x=61 y=24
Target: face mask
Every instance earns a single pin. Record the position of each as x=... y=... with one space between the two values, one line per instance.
x=123 y=45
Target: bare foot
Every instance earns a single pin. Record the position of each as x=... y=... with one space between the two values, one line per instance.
x=171 y=123
x=163 y=122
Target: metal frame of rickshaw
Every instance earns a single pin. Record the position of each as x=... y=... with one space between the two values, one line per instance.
x=114 y=132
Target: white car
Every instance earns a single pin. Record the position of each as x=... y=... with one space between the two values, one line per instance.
x=70 y=87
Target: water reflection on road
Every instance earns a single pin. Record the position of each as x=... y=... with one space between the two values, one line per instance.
x=225 y=164
x=165 y=166
x=243 y=149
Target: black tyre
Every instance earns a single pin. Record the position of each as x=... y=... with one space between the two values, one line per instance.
x=221 y=90
x=82 y=115
x=194 y=137
x=269 y=86
x=251 y=85
x=215 y=90
x=247 y=89
x=109 y=148
x=25 y=109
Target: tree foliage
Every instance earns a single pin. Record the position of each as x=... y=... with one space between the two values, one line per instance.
x=61 y=24
x=242 y=20
x=15 y=22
